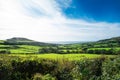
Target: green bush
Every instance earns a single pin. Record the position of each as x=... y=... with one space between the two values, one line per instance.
x=88 y=69
x=111 y=69
x=37 y=76
x=14 y=68
x=48 y=77
x=5 y=52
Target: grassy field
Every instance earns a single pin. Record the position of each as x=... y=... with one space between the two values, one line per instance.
x=53 y=56
x=25 y=49
x=20 y=48
x=116 y=48
x=88 y=61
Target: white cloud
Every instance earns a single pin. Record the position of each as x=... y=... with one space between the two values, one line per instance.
x=65 y=3
x=43 y=20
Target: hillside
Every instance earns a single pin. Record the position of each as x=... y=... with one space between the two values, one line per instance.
x=24 y=45
x=18 y=39
x=111 y=40
x=25 y=41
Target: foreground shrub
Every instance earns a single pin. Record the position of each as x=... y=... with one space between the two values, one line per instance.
x=111 y=69
x=88 y=69
x=48 y=77
x=63 y=70
x=37 y=76
x=14 y=68
x=5 y=52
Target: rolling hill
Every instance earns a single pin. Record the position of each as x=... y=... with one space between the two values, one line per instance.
x=25 y=41
x=111 y=40
x=24 y=45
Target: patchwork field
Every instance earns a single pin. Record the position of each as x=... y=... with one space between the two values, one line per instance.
x=52 y=56
x=24 y=59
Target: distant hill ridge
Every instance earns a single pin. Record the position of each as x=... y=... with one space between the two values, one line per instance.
x=17 y=39
x=25 y=41
x=20 y=40
x=114 y=39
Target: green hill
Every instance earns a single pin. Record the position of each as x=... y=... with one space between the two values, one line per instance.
x=25 y=41
x=105 y=43
x=24 y=45
x=111 y=40
x=18 y=39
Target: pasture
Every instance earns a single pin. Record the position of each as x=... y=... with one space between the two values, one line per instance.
x=52 y=56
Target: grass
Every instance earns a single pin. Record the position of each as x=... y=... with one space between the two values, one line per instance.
x=1 y=41
x=20 y=48
x=53 y=56
x=117 y=48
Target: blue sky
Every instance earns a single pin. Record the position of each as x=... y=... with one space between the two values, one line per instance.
x=98 y=10
x=60 y=20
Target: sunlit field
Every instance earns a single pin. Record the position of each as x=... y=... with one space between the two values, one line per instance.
x=53 y=56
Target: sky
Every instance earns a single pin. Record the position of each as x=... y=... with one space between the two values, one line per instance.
x=60 y=20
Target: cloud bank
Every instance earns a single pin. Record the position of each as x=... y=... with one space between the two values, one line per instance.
x=44 y=20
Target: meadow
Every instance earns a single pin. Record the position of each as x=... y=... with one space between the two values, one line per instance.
x=53 y=56
x=23 y=59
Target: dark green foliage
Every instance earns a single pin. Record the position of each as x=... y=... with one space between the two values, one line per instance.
x=5 y=69
x=84 y=50
x=111 y=69
x=14 y=45
x=64 y=69
x=103 y=51
x=48 y=50
x=37 y=76
x=59 y=50
x=4 y=52
x=48 y=77
x=88 y=69
x=14 y=68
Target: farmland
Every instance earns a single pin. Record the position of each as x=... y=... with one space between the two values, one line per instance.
x=53 y=56
x=24 y=59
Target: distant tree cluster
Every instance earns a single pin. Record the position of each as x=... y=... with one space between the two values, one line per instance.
x=80 y=50
x=4 y=52
x=103 y=51
x=58 y=50
x=16 y=68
